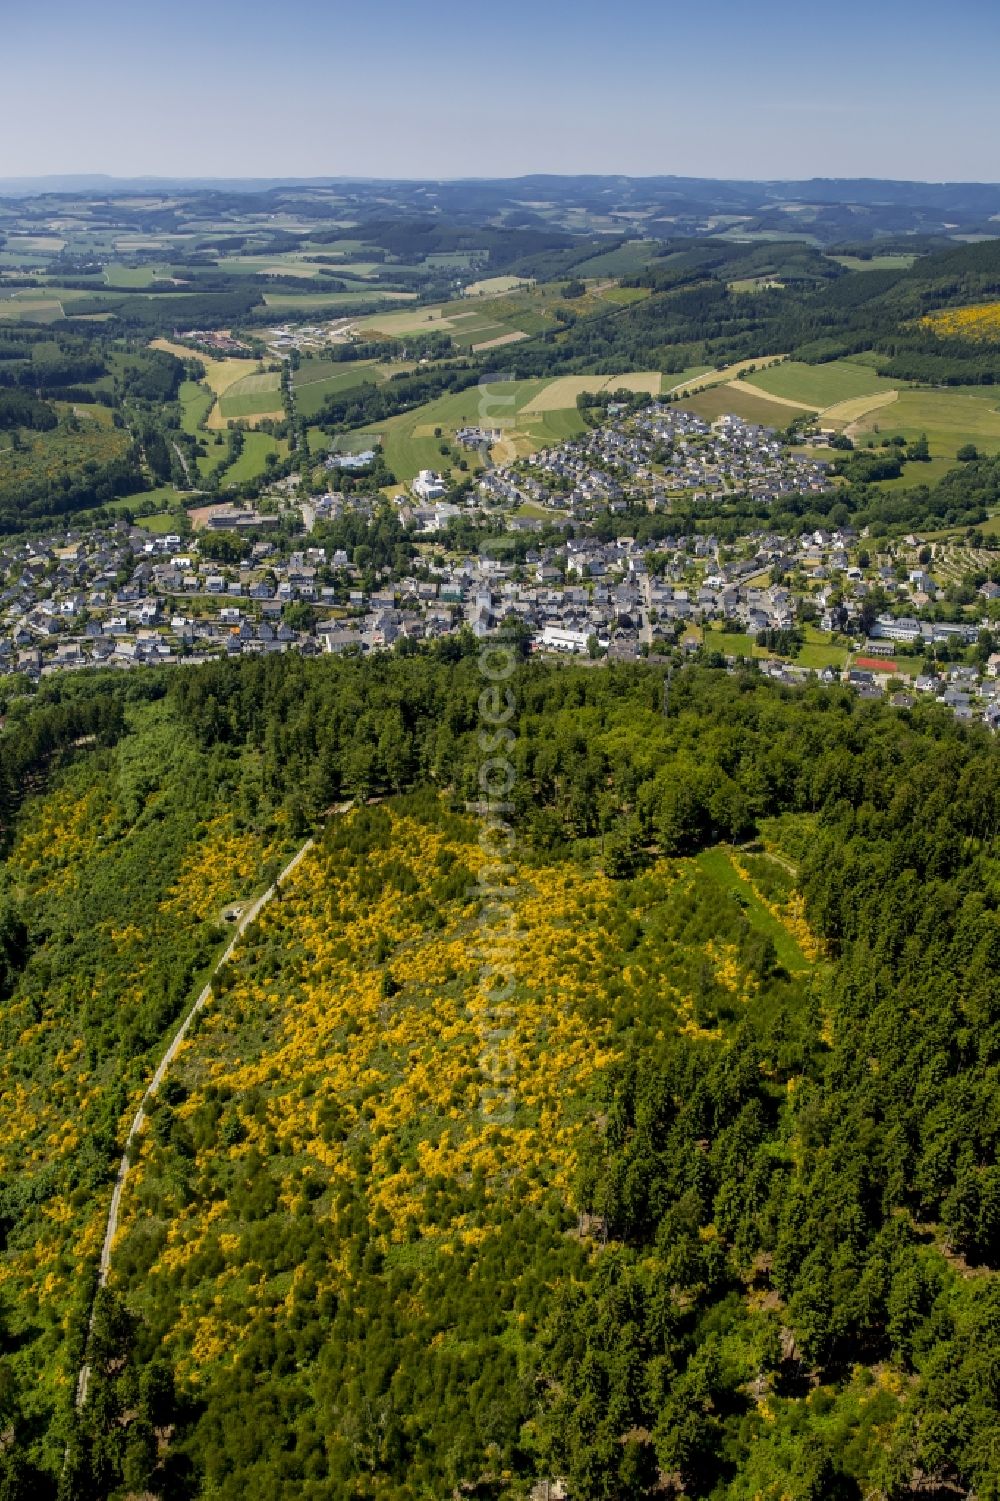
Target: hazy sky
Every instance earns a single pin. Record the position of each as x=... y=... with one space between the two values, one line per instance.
x=760 y=88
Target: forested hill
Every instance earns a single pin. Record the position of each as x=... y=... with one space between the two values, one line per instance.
x=808 y=305
x=737 y=1234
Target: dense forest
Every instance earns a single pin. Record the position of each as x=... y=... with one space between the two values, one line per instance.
x=737 y=1235
x=809 y=306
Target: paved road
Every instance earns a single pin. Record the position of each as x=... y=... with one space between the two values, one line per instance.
x=249 y=916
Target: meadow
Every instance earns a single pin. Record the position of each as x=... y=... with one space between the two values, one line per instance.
x=533 y=414
x=253 y=396
x=950 y=418
x=740 y=399
x=817 y=386
x=315 y=380
x=874 y=262
x=250 y=464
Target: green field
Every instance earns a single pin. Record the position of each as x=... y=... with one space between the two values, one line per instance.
x=252 y=396
x=333 y=302
x=410 y=444
x=134 y=276
x=876 y=263
x=250 y=464
x=162 y=523
x=681 y=377
x=821 y=650
x=919 y=474
x=731 y=643
x=740 y=400
x=622 y=296
x=817 y=386
x=951 y=419
x=196 y=403
x=315 y=380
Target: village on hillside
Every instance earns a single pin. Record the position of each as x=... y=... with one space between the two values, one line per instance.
x=912 y=617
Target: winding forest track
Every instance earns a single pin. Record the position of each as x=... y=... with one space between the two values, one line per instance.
x=249 y=916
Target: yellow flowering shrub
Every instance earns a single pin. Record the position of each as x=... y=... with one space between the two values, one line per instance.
x=354 y=1054
x=980 y=322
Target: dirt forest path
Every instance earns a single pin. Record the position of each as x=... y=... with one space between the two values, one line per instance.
x=248 y=917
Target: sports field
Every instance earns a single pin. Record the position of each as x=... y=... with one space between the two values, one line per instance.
x=707 y=376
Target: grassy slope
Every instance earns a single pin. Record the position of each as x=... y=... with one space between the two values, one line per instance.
x=950 y=419
x=817 y=385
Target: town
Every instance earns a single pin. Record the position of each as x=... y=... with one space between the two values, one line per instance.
x=913 y=618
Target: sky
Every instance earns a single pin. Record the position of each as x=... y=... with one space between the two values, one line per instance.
x=378 y=88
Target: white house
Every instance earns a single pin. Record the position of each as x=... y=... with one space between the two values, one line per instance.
x=428 y=485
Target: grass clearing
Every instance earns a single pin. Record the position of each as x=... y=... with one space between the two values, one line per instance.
x=717 y=864
x=196 y=403
x=874 y=263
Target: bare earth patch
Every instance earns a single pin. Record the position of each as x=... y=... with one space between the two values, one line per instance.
x=560 y=395
x=723 y=377
x=512 y=338
x=851 y=412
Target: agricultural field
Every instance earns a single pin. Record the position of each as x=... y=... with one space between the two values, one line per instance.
x=34 y=309
x=739 y=399
x=252 y=398
x=485 y=322
x=220 y=374
x=532 y=414
x=817 y=386
x=875 y=262
x=492 y=286
x=950 y=418
x=315 y=380
x=562 y=392
x=332 y=302
x=706 y=375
